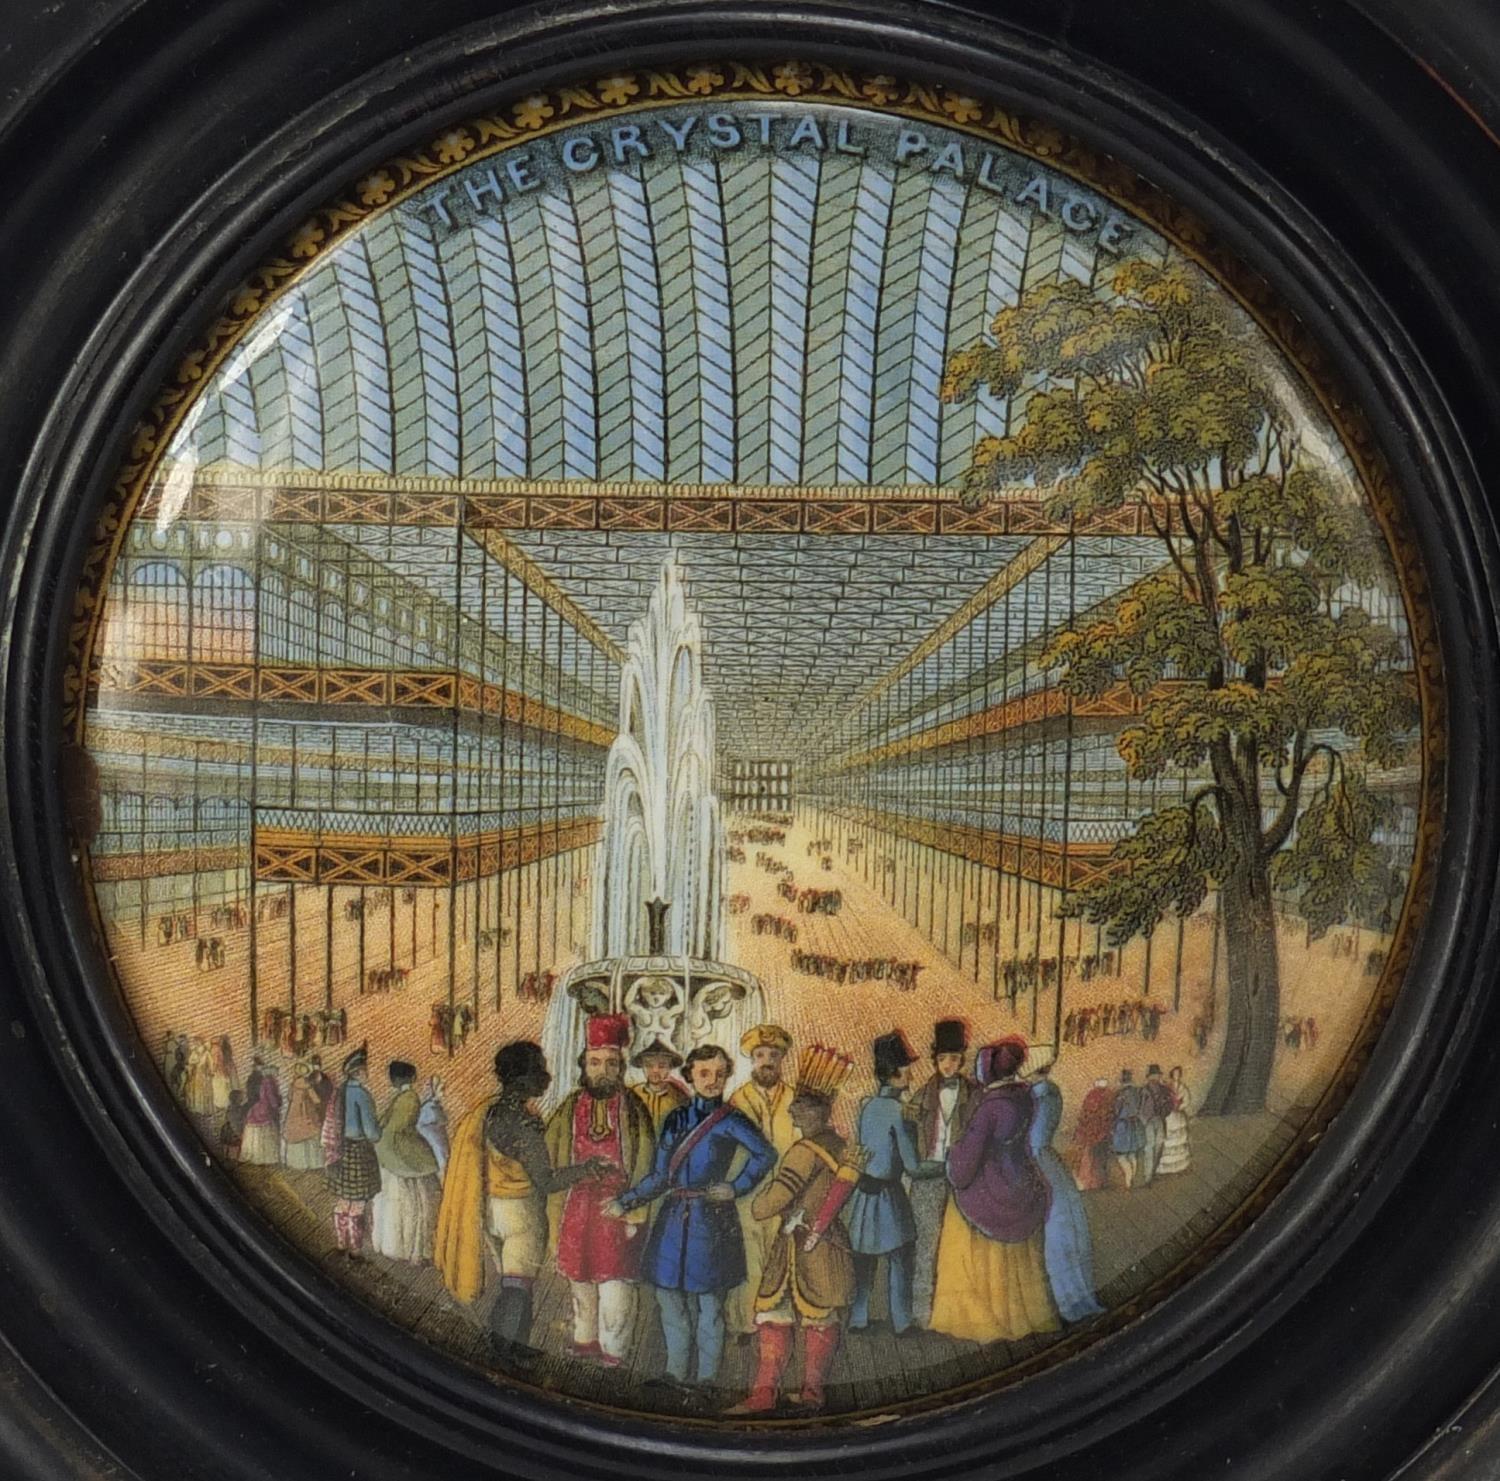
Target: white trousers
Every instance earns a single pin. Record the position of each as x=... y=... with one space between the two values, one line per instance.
x=603 y=1313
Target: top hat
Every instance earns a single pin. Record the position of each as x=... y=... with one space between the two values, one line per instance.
x=891 y=1053
x=950 y=1036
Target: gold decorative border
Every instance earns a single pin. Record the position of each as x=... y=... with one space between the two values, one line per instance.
x=810 y=83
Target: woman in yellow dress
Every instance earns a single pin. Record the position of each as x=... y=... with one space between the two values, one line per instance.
x=991 y=1269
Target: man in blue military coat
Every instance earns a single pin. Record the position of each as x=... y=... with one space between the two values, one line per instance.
x=694 y=1255
x=880 y=1212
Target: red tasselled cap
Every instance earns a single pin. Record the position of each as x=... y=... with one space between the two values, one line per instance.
x=607 y=1031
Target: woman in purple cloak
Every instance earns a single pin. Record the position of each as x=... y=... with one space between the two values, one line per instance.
x=991 y=1264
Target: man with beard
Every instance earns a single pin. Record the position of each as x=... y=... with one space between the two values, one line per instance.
x=940 y=1111
x=766 y=1100
x=604 y=1124
x=499 y=1180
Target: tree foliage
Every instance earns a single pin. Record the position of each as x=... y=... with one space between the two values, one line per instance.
x=1333 y=862
x=1267 y=680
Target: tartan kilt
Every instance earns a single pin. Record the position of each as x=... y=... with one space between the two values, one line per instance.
x=356 y=1175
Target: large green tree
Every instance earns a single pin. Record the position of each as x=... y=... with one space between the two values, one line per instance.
x=1156 y=389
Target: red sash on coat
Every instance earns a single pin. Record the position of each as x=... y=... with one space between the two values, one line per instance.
x=685 y=1146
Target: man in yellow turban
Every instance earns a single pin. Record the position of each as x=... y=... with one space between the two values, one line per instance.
x=766 y=1099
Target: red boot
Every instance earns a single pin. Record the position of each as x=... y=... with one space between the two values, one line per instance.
x=818 y=1347
x=775 y=1352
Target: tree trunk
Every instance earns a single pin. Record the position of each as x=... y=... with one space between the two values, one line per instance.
x=1253 y=1006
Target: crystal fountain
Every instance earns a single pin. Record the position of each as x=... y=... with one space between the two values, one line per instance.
x=658 y=919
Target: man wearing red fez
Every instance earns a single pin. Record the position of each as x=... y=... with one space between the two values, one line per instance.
x=602 y=1124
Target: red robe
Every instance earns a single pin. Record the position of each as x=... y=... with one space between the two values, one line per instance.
x=591 y=1247
x=1091 y=1137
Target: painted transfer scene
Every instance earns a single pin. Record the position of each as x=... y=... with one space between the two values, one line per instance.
x=753 y=756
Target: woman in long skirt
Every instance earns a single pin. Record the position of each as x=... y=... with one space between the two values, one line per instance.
x=1067 y=1244
x=225 y=1080
x=306 y=1107
x=405 y=1211
x=261 y=1143
x=1176 y=1152
x=991 y=1264
x=198 y=1080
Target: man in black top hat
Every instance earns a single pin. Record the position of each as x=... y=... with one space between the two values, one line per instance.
x=939 y=1111
x=1157 y=1103
x=880 y=1216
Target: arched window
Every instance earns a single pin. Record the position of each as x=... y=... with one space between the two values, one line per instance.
x=161 y=823
x=275 y=617
x=156 y=623
x=128 y=812
x=224 y=615
x=302 y=629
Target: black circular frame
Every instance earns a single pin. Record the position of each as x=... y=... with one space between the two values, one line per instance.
x=152 y=1320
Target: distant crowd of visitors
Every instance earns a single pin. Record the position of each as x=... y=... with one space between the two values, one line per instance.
x=857 y=969
x=774 y=925
x=385 y=979
x=449 y=1026
x=811 y=901
x=1299 y=1033
x=297 y=1033
x=1142 y=1129
x=1123 y=1019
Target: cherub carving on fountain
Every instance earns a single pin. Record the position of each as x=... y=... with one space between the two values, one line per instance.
x=712 y=1004
x=654 y=1005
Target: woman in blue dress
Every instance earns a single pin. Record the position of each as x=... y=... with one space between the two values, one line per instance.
x=1068 y=1247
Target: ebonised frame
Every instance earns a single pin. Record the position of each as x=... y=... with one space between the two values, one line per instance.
x=119 y=244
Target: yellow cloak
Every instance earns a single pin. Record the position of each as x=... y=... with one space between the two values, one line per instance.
x=459 y=1248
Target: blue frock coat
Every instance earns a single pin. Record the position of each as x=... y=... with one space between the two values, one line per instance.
x=880 y=1222
x=695 y=1245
